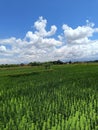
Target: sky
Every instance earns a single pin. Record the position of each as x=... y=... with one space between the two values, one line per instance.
x=48 y=30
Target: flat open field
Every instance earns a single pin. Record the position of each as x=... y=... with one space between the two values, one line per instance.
x=62 y=98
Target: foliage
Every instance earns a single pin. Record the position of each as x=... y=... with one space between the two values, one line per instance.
x=63 y=98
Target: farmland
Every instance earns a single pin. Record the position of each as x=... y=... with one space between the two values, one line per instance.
x=64 y=97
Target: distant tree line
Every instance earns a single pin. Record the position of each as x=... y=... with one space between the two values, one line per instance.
x=33 y=64
x=46 y=64
x=9 y=65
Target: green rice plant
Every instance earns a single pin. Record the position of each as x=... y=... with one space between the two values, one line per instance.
x=65 y=98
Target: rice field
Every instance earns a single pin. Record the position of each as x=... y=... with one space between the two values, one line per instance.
x=64 y=97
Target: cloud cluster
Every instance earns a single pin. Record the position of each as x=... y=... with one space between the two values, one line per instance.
x=79 y=35
x=2 y=48
x=42 y=45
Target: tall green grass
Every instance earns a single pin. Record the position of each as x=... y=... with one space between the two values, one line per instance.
x=63 y=98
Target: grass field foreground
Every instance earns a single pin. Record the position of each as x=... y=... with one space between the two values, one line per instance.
x=64 y=97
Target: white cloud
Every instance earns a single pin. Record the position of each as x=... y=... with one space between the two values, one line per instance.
x=40 y=26
x=79 y=35
x=2 y=48
x=40 y=45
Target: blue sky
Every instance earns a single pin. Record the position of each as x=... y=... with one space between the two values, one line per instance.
x=17 y=19
x=17 y=16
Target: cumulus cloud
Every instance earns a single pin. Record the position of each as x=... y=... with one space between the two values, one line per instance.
x=40 y=26
x=43 y=45
x=81 y=34
x=2 y=48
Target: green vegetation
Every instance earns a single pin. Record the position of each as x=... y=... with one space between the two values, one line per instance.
x=64 y=97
